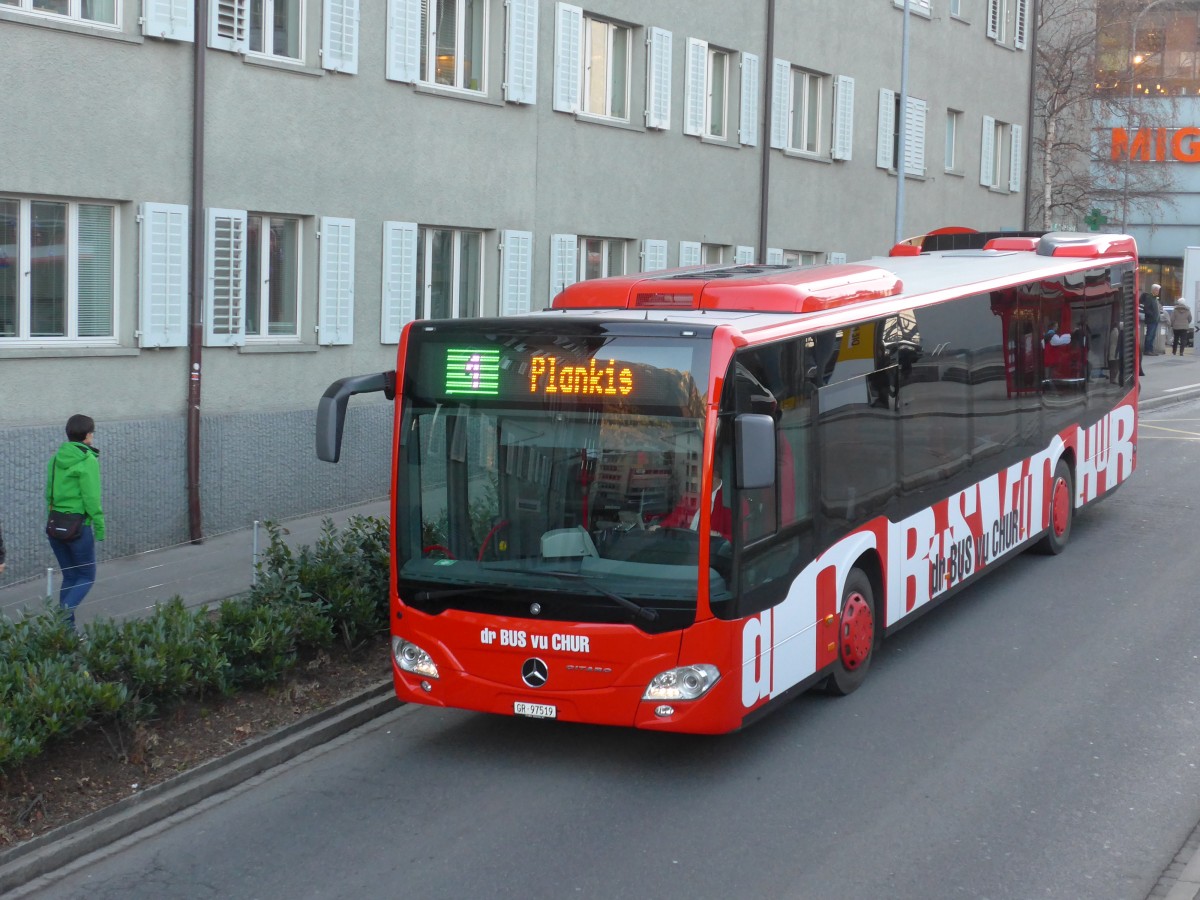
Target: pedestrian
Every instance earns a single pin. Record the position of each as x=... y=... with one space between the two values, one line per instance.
x=1152 y=312
x=1181 y=322
x=73 y=486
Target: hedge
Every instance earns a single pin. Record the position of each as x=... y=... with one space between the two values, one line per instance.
x=54 y=682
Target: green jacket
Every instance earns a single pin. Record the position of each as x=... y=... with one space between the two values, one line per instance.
x=73 y=480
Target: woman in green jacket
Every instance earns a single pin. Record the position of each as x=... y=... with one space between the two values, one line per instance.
x=73 y=486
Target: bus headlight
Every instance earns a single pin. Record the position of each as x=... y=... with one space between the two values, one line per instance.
x=411 y=658
x=683 y=683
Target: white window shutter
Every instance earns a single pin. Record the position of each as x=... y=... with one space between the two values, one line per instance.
x=914 y=137
x=689 y=253
x=173 y=20
x=339 y=36
x=1022 y=24
x=225 y=285
x=335 y=316
x=987 y=150
x=516 y=271
x=748 y=130
x=886 y=130
x=1015 y=159
x=774 y=256
x=993 y=19
x=564 y=262
x=654 y=255
x=163 y=276
x=843 y=117
x=658 y=79
x=520 y=75
x=403 y=40
x=227 y=25
x=695 y=89
x=781 y=102
x=836 y=259
x=743 y=256
x=568 y=50
x=399 y=279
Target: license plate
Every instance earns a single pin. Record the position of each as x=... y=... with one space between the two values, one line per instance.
x=535 y=710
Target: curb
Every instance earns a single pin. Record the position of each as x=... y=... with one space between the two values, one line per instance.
x=1169 y=399
x=47 y=852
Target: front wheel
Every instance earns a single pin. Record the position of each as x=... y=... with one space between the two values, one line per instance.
x=1062 y=512
x=856 y=635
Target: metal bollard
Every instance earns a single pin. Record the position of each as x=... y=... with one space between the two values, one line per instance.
x=49 y=582
x=254 y=575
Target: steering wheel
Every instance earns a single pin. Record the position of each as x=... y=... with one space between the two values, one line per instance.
x=431 y=549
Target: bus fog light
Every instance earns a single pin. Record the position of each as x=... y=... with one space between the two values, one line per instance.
x=664 y=711
x=411 y=658
x=682 y=683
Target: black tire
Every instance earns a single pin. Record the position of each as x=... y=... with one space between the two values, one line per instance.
x=1062 y=512
x=857 y=635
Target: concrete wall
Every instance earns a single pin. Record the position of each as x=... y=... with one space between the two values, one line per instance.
x=106 y=115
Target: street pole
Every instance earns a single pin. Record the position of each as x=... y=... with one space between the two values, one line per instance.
x=902 y=115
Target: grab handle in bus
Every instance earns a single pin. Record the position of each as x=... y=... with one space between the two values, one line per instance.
x=331 y=411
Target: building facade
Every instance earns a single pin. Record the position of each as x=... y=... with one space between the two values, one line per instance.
x=211 y=209
x=1148 y=109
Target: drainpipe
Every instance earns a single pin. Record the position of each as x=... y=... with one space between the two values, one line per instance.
x=764 y=187
x=902 y=128
x=196 y=293
x=1031 y=30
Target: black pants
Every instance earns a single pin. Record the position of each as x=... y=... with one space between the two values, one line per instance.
x=1180 y=343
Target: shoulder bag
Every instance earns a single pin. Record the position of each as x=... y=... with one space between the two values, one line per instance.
x=62 y=526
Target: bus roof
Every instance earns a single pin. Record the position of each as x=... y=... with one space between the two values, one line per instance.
x=755 y=296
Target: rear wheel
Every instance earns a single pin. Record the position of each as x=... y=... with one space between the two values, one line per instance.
x=856 y=635
x=1062 y=511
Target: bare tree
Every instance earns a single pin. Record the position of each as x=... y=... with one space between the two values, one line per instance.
x=1081 y=45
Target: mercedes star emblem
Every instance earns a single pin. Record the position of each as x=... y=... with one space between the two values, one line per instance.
x=534 y=672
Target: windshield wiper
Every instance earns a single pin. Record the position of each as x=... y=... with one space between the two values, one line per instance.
x=642 y=612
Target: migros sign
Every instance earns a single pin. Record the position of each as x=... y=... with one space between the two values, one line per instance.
x=1157 y=145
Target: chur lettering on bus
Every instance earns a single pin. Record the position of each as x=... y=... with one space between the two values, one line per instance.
x=589 y=380
x=928 y=553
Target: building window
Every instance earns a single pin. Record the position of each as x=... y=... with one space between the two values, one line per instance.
x=1001 y=155
x=272 y=277
x=605 y=81
x=799 y=258
x=955 y=7
x=57 y=269
x=712 y=254
x=1008 y=17
x=952 y=120
x=718 y=93
x=449 y=273
x=102 y=12
x=601 y=257
x=452 y=43
x=275 y=27
x=805 y=133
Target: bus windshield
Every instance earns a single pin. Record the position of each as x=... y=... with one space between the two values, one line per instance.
x=562 y=471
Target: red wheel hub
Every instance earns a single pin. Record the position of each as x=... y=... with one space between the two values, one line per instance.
x=1060 y=509
x=858 y=631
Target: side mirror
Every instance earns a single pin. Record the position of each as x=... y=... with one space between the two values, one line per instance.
x=754 y=434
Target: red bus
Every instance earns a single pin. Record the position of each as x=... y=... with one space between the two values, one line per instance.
x=673 y=500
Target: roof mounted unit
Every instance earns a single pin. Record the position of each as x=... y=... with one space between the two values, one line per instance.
x=1086 y=246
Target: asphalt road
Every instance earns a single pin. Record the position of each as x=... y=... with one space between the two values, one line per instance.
x=1037 y=737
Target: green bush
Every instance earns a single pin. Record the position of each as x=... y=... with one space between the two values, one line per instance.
x=45 y=690
x=259 y=642
x=338 y=588
x=172 y=653
x=52 y=683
